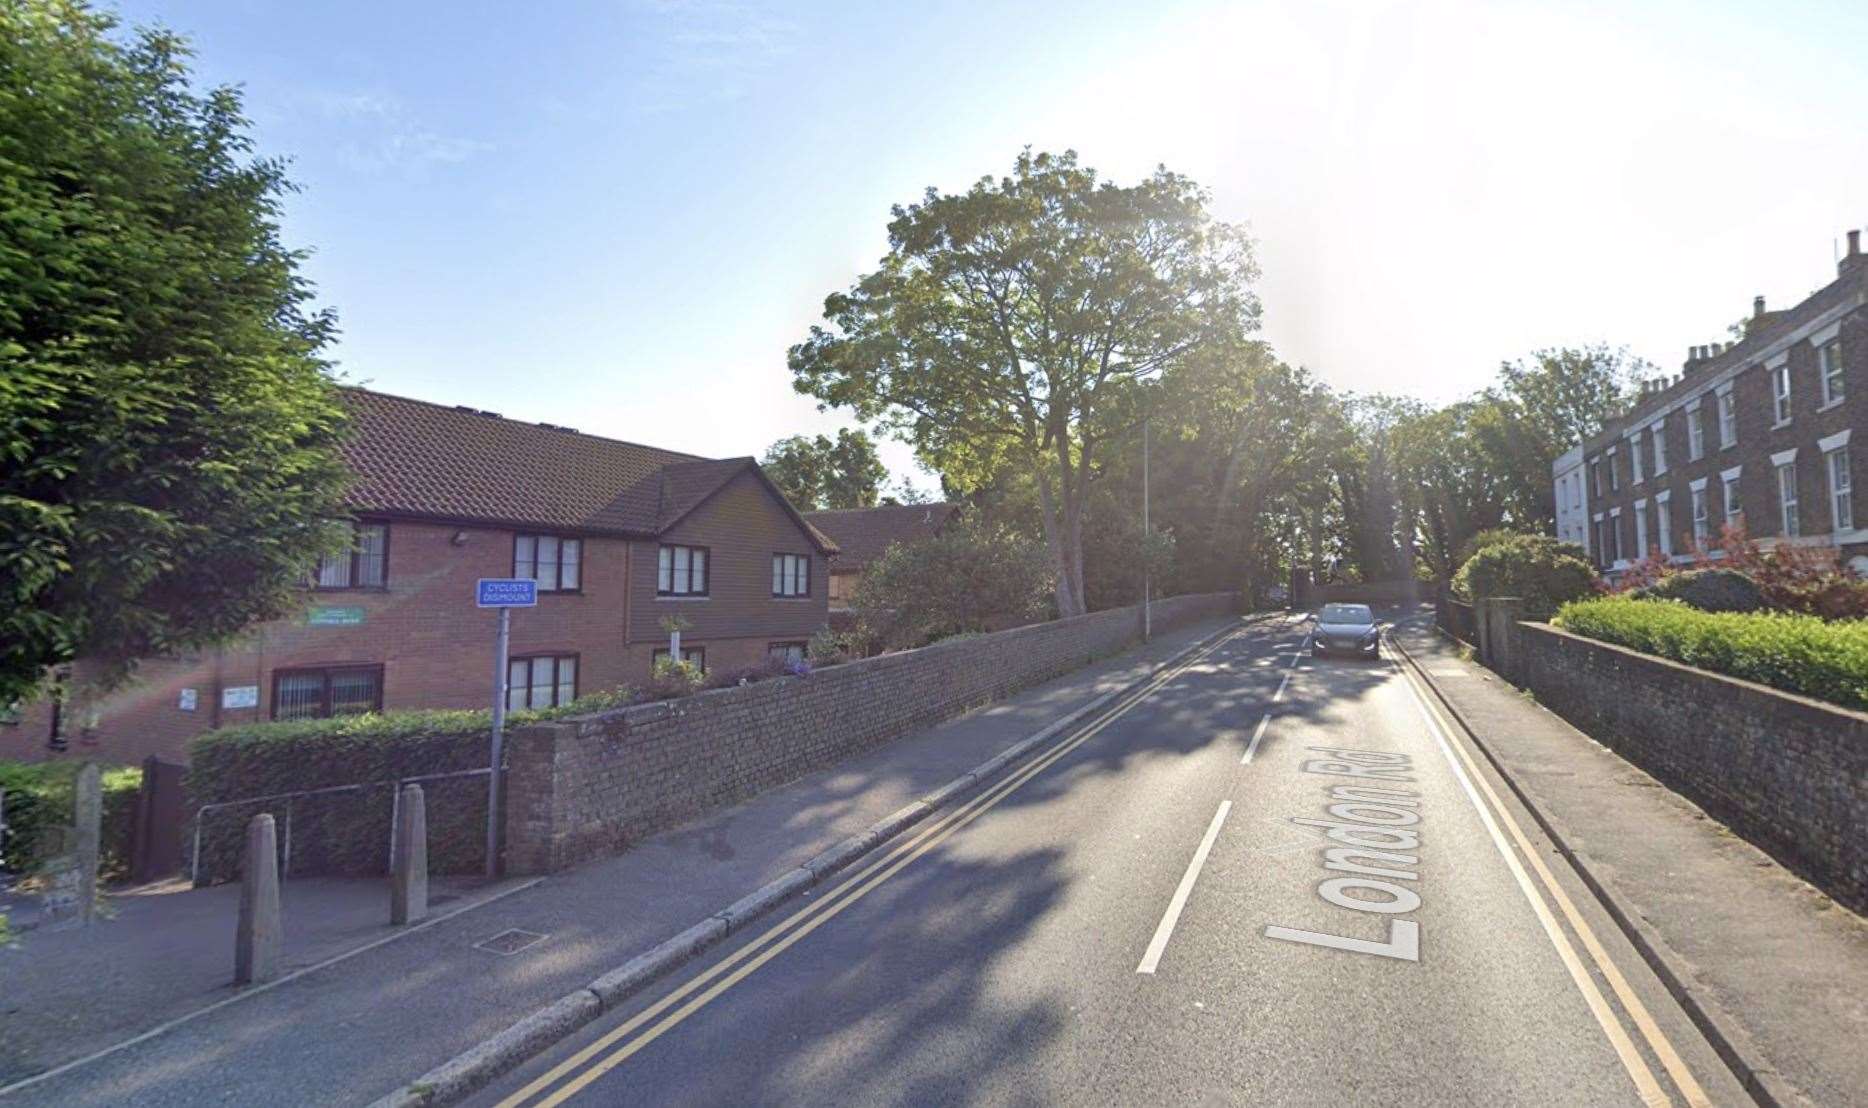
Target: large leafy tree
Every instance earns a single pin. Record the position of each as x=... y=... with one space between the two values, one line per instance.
x=167 y=430
x=973 y=576
x=818 y=472
x=1015 y=326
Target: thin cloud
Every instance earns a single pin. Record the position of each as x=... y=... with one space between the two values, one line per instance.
x=381 y=134
x=709 y=51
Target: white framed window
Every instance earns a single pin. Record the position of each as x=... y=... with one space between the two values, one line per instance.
x=1695 y=434
x=1663 y=523
x=1728 y=483
x=1787 y=498
x=1640 y=529
x=1701 y=525
x=1829 y=361
x=791 y=575
x=1658 y=433
x=1615 y=471
x=1634 y=459
x=1841 y=496
x=555 y=563
x=1780 y=393
x=1728 y=419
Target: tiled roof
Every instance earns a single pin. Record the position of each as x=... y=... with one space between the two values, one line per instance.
x=412 y=457
x=862 y=534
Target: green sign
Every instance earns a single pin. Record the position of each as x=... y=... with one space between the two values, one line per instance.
x=335 y=617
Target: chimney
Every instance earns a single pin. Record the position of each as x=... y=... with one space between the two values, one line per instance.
x=1853 y=258
x=1757 y=306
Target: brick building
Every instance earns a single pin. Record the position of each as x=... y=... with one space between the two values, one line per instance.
x=1754 y=432
x=863 y=534
x=618 y=536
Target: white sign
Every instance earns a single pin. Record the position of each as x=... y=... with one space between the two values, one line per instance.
x=240 y=696
x=186 y=702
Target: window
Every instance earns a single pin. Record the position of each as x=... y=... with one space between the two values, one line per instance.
x=1734 y=513
x=1695 y=435
x=840 y=586
x=1658 y=433
x=1640 y=530
x=364 y=566
x=1612 y=549
x=323 y=693
x=791 y=575
x=682 y=571
x=693 y=655
x=1829 y=360
x=1634 y=460
x=1728 y=419
x=1615 y=473
x=1700 y=526
x=540 y=681
x=1780 y=392
x=1841 y=500
x=790 y=653
x=555 y=563
x=1787 y=497
x=1595 y=475
x=1663 y=522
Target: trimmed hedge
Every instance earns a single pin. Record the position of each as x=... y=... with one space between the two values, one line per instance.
x=348 y=832
x=1796 y=653
x=1709 y=590
x=1536 y=568
x=39 y=797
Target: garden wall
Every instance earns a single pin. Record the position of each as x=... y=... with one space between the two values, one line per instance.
x=583 y=787
x=1788 y=773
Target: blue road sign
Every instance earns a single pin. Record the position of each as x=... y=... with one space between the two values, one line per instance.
x=506 y=592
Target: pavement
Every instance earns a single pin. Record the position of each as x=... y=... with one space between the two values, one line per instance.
x=358 y=1029
x=1265 y=879
x=1775 y=969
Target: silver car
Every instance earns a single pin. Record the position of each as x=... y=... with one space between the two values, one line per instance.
x=1345 y=629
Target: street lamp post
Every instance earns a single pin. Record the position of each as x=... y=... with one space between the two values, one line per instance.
x=1147 y=569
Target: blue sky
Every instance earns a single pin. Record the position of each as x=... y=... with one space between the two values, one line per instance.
x=619 y=215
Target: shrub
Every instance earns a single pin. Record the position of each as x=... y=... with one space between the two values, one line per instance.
x=963 y=579
x=1797 y=653
x=830 y=647
x=1709 y=590
x=39 y=797
x=763 y=670
x=1543 y=572
x=673 y=677
x=1804 y=579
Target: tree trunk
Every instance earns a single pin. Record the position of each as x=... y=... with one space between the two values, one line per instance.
x=1063 y=534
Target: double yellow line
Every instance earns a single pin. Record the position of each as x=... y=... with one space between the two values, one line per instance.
x=592 y=1062
x=1638 y=1071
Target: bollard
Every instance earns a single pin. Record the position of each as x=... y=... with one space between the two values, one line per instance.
x=256 y=943
x=87 y=816
x=408 y=883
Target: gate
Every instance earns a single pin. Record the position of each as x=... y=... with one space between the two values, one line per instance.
x=161 y=821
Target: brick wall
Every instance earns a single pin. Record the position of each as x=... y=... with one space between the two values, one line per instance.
x=580 y=788
x=1788 y=773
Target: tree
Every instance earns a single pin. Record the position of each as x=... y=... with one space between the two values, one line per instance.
x=963 y=579
x=167 y=430
x=1016 y=326
x=816 y=472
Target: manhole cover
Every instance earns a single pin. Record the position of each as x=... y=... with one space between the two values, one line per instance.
x=510 y=942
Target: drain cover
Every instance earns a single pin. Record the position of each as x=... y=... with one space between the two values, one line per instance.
x=510 y=941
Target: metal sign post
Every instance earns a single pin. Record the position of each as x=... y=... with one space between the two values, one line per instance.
x=504 y=593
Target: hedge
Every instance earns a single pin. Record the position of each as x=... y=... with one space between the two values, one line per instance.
x=1541 y=571
x=1824 y=659
x=39 y=797
x=348 y=832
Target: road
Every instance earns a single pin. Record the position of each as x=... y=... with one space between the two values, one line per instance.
x=1261 y=879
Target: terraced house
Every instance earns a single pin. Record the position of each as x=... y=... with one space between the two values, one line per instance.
x=618 y=536
x=1756 y=433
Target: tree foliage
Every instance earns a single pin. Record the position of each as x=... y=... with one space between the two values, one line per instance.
x=167 y=430
x=971 y=576
x=1016 y=327
x=818 y=472
x=1544 y=573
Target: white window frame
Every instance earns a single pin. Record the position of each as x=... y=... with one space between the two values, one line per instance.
x=1658 y=432
x=1701 y=522
x=1829 y=368
x=1663 y=521
x=1728 y=417
x=1841 y=490
x=1635 y=476
x=1615 y=532
x=1695 y=433
x=1731 y=494
x=1786 y=468
x=1615 y=474
x=1780 y=393
x=1640 y=529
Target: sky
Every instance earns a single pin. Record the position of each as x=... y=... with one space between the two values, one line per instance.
x=619 y=216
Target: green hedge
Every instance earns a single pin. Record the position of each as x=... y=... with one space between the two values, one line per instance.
x=1818 y=658
x=39 y=796
x=1538 y=569
x=348 y=832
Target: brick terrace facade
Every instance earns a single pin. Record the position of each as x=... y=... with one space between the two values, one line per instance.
x=410 y=637
x=1723 y=443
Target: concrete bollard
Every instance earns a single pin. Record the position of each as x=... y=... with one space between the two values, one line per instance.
x=256 y=943
x=408 y=882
